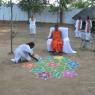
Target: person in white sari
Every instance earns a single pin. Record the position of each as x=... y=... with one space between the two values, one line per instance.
x=32 y=25
x=24 y=52
x=78 y=26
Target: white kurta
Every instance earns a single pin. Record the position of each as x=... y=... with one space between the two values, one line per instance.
x=32 y=26
x=67 y=47
x=78 y=32
x=20 y=53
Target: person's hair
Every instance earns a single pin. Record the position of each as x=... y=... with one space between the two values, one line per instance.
x=79 y=17
x=56 y=27
x=87 y=17
x=31 y=44
x=32 y=17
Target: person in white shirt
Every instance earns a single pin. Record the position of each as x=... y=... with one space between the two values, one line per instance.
x=24 y=52
x=78 y=26
x=32 y=24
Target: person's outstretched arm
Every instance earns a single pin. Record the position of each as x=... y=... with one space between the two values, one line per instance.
x=33 y=57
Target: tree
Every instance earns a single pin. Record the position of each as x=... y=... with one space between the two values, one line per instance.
x=91 y=3
x=54 y=10
x=36 y=6
x=1 y=2
x=59 y=6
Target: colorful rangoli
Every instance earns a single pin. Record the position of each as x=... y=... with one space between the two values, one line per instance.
x=54 y=67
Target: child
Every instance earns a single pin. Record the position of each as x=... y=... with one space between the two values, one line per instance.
x=24 y=52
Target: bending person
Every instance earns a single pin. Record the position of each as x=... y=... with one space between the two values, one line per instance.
x=24 y=52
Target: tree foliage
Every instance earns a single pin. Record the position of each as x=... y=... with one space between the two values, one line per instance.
x=8 y=4
x=60 y=6
x=1 y=2
x=53 y=8
x=36 y=6
x=91 y=3
x=83 y=3
x=80 y=4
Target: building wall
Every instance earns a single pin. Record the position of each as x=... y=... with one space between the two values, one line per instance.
x=19 y=15
x=69 y=14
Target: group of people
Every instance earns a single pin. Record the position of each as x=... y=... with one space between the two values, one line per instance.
x=85 y=29
x=57 y=42
x=83 y=26
x=24 y=52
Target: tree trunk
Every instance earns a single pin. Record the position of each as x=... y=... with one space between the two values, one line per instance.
x=61 y=16
x=61 y=12
x=28 y=12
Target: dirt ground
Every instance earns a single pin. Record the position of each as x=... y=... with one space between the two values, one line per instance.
x=15 y=80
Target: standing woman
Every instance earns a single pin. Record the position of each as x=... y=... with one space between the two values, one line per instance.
x=32 y=25
x=88 y=28
x=78 y=26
